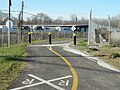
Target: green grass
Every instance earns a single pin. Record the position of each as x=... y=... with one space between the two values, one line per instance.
x=82 y=43
x=10 y=64
x=62 y=39
x=108 y=54
x=58 y=39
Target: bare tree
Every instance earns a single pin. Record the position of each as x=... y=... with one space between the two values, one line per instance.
x=40 y=18
x=59 y=20
x=83 y=21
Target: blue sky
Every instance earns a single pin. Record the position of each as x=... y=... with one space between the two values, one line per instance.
x=65 y=8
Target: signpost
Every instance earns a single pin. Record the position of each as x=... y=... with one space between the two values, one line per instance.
x=9 y=25
x=73 y=28
x=74 y=34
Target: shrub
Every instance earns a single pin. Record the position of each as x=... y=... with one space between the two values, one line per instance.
x=115 y=55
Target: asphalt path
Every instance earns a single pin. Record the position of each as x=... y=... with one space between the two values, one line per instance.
x=46 y=70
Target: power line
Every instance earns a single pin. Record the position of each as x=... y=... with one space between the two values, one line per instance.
x=20 y=11
x=10 y=11
x=29 y=14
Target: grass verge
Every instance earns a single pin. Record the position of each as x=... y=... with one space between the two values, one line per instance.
x=108 y=54
x=10 y=64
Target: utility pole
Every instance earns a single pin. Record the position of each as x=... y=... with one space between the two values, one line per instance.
x=89 y=30
x=22 y=20
x=19 y=23
x=109 y=32
x=2 y=35
x=9 y=6
x=22 y=10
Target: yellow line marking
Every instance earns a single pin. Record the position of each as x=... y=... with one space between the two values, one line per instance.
x=75 y=77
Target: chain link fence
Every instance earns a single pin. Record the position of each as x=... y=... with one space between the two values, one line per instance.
x=16 y=36
x=101 y=34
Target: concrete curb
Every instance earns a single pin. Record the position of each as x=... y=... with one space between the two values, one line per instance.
x=106 y=65
x=95 y=59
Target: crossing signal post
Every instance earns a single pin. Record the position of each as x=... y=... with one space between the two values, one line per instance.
x=50 y=41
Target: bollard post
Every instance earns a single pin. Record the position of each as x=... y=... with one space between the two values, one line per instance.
x=74 y=38
x=50 y=41
x=29 y=36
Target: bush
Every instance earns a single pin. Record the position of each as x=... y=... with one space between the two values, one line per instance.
x=115 y=55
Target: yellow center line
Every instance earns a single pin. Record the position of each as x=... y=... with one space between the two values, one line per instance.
x=75 y=77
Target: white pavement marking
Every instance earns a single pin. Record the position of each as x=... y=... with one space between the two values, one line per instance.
x=28 y=81
x=63 y=83
x=40 y=79
x=46 y=45
x=59 y=78
x=48 y=81
x=50 y=47
x=43 y=45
